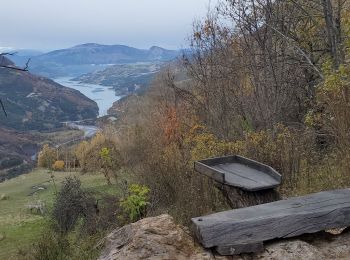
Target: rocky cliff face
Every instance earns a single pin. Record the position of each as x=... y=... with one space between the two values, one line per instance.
x=160 y=238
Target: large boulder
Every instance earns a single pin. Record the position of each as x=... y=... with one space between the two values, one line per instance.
x=152 y=238
x=160 y=238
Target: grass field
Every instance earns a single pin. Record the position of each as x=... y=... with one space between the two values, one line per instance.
x=19 y=228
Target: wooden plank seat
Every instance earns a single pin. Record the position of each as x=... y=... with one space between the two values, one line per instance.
x=244 y=230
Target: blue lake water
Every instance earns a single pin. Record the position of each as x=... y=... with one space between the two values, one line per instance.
x=102 y=95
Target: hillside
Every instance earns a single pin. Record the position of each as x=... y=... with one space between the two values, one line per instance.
x=20 y=228
x=256 y=112
x=125 y=78
x=16 y=151
x=36 y=103
x=92 y=57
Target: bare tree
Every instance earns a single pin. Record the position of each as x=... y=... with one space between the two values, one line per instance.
x=255 y=63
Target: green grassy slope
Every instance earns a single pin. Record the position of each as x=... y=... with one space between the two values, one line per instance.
x=19 y=228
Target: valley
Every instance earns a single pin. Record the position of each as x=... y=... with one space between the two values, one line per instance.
x=63 y=91
x=231 y=141
x=124 y=78
x=104 y=96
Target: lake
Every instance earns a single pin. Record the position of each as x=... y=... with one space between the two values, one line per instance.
x=104 y=96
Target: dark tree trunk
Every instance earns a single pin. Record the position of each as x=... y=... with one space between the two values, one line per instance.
x=333 y=28
x=238 y=198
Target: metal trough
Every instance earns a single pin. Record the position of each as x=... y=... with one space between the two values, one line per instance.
x=240 y=172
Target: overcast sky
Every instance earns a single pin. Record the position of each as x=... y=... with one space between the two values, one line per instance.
x=53 y=24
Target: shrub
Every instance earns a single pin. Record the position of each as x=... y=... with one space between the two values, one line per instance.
x=136 y=202
x=57 y=246
x=100 y=154
x=71 y=204
x=58 y=165
x=47 y=157
x=51 y=246
x=106 y=163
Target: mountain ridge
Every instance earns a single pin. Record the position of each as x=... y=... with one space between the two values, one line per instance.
x=90 y=57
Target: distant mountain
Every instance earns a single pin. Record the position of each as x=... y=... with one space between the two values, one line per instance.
x=92 y=53
x=37 y=103
x=90 y=56
x=124 y=78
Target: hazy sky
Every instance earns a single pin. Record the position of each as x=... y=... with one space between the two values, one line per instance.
x=52 y=24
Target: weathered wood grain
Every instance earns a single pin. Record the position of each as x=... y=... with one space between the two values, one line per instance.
x=210 y=172
x=239 y=172
x=280 y=219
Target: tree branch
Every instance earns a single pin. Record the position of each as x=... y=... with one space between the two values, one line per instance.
x=301 y=52
x=3 y=108
x=25 y=68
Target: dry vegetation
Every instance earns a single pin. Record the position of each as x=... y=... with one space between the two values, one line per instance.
x=274 y=87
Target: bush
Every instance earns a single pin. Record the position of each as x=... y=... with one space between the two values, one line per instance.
x=47 y=157
x=51 y=246
x=71 y=204
x=58 y=165
x=135 y=204
x=100 y=154
x=56 y=246
x=106 y=163
x=76 y=208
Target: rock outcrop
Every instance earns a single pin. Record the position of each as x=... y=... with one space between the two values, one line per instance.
x=152 y=238
x=160 y=238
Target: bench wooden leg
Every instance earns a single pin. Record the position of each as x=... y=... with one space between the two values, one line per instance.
x=238 y=198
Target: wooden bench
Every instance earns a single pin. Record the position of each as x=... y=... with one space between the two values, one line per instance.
x=244 y=230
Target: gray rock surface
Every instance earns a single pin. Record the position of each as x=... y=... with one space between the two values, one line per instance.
x=152 y=238
x=159 y=238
